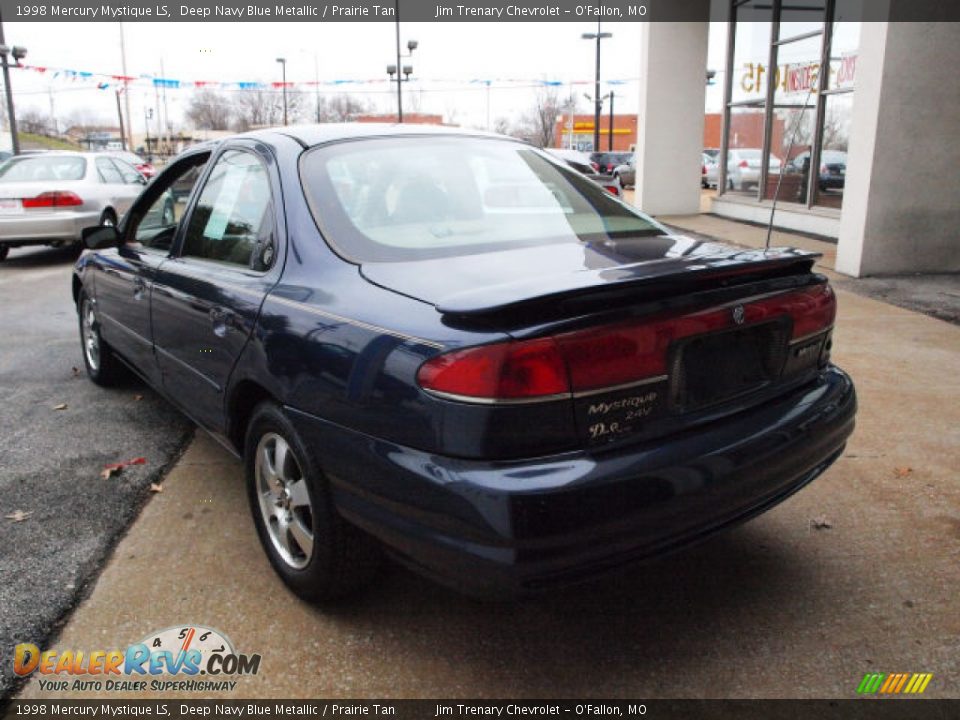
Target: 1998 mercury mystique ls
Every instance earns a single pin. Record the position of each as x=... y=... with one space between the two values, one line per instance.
x=453 y=347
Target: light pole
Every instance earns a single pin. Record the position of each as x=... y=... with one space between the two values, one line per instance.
x=398 y=68
x=18 y=54
x=147 y=114
x=283 y=65
x=598 y=36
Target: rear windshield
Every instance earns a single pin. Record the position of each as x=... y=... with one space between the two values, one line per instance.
x=416 y=198
x=30 y=169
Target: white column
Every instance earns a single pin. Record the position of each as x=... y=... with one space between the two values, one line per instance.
x=673 y=66
x=901 y=204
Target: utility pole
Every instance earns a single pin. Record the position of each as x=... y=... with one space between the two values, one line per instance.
x=396 y=10
x=123 y=137
x=610 y=131
x=14 y=137
x=166 y=111
x=316 y=80
x=126 y=88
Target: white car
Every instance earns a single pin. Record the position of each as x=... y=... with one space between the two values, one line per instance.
x=49 y=198
x=709 y=171
x=743 y=167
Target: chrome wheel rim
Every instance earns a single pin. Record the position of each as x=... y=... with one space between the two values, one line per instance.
x=91 y=337
x=284 y=500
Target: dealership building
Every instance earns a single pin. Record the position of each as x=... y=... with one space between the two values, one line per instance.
x=850 y=119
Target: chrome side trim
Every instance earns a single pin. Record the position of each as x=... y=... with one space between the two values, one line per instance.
x=497 y=401
x=544 y=398
x=812 y=335
x=625 y=386
x=120 y=326
x=357 y=323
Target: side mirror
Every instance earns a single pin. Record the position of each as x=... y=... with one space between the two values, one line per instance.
x=100 y=237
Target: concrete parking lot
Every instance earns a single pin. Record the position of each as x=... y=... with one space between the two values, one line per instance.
x=857 y=573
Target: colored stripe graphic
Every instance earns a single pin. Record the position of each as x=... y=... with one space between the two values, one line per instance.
x=870 y=683
x=894 y=683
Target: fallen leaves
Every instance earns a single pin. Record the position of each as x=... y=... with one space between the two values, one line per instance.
x=61 y=406
x=902 y=471
x=18 y=515
x=138 y=398
x=114 y=469
x=75 y=371
x=821 y=523
x=155 y=488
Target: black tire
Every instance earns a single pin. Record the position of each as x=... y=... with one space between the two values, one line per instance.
x=101 y=363
x=4 y=251
x=342 y=558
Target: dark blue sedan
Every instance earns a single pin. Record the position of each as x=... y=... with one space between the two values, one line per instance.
x=452 y=347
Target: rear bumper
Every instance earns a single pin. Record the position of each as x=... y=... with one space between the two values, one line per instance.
x=503 y=528
x=31 y=228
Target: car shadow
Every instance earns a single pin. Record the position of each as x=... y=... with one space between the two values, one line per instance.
x=33 y=257
x=608 y=637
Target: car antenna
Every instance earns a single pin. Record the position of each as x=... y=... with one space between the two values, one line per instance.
x=793 y=138
x=783 y=164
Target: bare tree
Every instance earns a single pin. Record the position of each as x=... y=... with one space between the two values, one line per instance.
x=502 y=126
x=34 y=121
x=85 y=118
x=209 y=110
x=260 y=107
x=539 y=124
x=341 y=108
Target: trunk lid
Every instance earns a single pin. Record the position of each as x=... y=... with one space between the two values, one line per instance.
x=499 y=281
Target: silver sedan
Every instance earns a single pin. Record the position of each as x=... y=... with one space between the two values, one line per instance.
x=49 y=198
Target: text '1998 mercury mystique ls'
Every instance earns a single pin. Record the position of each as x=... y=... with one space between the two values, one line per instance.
x=450 y=346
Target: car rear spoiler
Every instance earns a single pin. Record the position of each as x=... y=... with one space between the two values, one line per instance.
x=723 y=269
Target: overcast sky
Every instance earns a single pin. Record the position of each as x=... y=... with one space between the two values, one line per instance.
x=246 y=51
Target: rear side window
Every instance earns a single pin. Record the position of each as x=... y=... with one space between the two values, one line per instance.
x=128 y=173
x=233 y=212
x=31 y=169
x=414 y=198
x=108 y=172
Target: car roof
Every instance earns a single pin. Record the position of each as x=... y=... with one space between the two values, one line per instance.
x=318 y=134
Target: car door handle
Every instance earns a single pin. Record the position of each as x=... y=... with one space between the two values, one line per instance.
x=220 y=318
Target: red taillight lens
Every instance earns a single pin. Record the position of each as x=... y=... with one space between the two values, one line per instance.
x=612 y=189
x=53 y=199
x=503 y=371
x=610 y=355
x=744 y=164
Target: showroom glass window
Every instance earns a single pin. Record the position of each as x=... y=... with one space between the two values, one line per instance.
x=787 y=130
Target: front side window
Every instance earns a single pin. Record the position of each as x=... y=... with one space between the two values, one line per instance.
x=158 y=226
x=386 y=200
x=233 y=213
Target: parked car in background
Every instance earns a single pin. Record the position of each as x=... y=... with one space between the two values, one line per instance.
x=626 y=174
x=709 y=171
x=5 y=155
x=743 y=167
x=454 y=348
x=608 y=161
x=49 y=198
x=582 y=163
x=712 y=153
x=832 y=174
x=144 y=167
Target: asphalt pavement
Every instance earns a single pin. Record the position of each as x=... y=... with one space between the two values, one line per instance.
x=59 y=519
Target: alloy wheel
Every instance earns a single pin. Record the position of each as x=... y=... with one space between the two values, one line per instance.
x=284 y=500
x=91 y=335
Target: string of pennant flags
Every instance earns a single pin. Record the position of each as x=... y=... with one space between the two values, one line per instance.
x=105 y=81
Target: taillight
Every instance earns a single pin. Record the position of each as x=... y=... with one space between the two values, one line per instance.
x=824 y=169
x=744 y=164
x=612 y=189
x=608 y=356
x=595 y=166
x=502 y=371
x=53 y=199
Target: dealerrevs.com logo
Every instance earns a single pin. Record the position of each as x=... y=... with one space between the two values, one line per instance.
x=166 y=661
